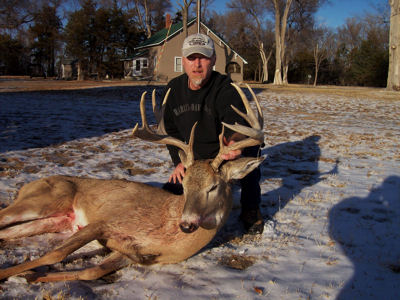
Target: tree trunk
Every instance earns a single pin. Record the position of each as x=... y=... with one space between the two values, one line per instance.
x=264 y=60
x=80 y=71
x=285 y=72
x=316 y=75
x=278 y=46
x=185 y=13
x=280 y=34
x=393 y=82
x=147 y=19
x=185 y=20
x=316 y=62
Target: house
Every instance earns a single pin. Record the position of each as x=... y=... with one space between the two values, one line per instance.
x=160 y=57
x=69 y=69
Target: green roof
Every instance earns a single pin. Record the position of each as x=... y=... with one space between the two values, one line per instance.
x=161 y=35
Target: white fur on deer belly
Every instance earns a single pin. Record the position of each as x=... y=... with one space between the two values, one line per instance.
x=80 y=220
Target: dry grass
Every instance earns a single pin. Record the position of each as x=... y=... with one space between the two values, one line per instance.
x=24 y=83
x=348 y=91
x=238 y=262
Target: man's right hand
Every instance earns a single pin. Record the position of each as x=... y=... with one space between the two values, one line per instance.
x=178 y=174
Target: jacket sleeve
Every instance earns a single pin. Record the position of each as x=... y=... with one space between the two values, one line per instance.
x=172 y=130
x=226 y=97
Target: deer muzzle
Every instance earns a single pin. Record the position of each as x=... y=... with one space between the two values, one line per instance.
x=188 y=227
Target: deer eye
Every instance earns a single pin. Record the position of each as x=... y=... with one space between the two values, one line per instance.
x=213 y=188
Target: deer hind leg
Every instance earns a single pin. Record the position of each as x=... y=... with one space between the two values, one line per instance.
x=53 y=224
x=112 y=262
x=52 y=196
x=79 y=239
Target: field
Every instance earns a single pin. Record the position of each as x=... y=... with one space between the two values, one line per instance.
x=330 y=192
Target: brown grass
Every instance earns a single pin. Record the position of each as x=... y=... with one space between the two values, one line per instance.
x=238 y=262
x=24 y=83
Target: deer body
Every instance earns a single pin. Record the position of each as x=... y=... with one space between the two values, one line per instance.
x=139 y=223
x=71 y=203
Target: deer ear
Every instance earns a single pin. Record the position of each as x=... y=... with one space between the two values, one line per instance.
x=239 y=168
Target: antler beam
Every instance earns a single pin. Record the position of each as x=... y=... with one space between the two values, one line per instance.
x=160 y=136
x=254 y=133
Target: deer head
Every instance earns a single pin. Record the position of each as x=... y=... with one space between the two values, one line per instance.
x=206 y=184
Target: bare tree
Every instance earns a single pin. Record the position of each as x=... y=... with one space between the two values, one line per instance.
x=299 y=14
x=146 y=11
x=255 y=10
x=323 y=45
x=205 y=4
x=393 y=81
x=15 y=13
x=281 y=9
x=144 y=15
x=185 y=12
x=351 y=33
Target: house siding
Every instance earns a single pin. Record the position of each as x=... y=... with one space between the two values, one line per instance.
x=173 y=48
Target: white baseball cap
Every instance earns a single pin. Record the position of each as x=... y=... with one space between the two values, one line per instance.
x=198 y=43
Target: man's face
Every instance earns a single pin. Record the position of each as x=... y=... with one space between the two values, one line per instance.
x=198 y=68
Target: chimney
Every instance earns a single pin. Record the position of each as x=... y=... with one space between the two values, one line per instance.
x=167 y=21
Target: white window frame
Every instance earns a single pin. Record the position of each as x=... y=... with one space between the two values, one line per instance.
x=178 y=67
x=155 y=61
x=143 y=61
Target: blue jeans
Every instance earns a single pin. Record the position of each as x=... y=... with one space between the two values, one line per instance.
x=250 y=198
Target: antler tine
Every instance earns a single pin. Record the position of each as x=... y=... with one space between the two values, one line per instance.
x=147 y=134
x=159 y=113
x=250 y=117
x=260 y=113
x=254 y=133
x=256 y=123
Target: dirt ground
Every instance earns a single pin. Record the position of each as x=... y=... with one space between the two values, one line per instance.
x=24 y=83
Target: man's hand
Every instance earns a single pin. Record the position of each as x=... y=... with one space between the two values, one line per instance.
x=233 y=154
x=177 y=174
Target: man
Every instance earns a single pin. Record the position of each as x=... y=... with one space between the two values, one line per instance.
x=205 y=96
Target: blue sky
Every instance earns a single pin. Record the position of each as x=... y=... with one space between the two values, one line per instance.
x=331 y=15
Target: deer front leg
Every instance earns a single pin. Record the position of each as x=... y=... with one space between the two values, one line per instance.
x=113 y=262
x=87 y=234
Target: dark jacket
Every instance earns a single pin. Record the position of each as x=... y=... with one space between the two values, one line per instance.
x=209 y=106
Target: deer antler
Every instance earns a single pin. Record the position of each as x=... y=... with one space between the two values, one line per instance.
x=255 y=133
x=160 y=136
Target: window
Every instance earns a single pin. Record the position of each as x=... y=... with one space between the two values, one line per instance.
x=232 y=67
x=178 y=64
x=137 y=65
x=144 y=62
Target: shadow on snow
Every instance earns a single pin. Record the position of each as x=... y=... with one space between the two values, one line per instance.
x=368 y=232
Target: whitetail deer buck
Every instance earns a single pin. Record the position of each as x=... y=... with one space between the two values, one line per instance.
x=139 y=223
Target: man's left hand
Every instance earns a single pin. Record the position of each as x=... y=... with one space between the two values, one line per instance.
x=233 y=154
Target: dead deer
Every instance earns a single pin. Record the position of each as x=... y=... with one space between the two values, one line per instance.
x=139 y=223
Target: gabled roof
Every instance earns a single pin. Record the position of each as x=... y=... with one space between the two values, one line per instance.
x=136 y=55
x=159 y=37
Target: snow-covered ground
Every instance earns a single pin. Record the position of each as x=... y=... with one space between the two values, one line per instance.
x=330 y=197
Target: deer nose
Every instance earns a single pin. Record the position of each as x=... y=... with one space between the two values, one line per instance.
x=187 y=227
